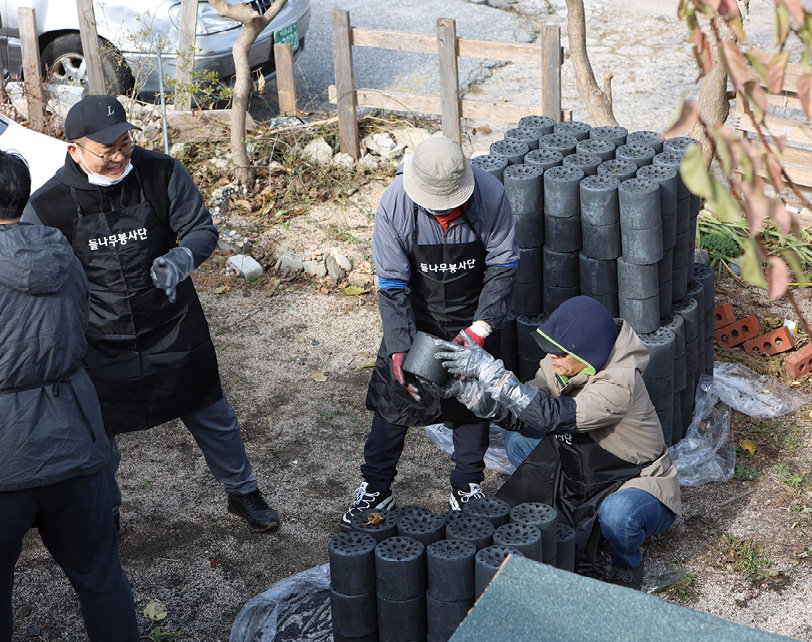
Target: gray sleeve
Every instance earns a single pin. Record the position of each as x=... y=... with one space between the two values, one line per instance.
x=397 y=318
x=188 y=215
x=30 y=215
x=500 y=239
x=496 y=293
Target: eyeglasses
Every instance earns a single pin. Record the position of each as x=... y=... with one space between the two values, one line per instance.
x=125 y=150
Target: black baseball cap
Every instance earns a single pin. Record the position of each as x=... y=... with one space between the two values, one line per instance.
x=100 y=118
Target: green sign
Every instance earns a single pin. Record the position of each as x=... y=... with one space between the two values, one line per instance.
x=289 y=35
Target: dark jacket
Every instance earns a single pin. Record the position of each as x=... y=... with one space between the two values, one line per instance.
x=50 y=421
x=491 y=220
x=166 y=185
x=150 y=359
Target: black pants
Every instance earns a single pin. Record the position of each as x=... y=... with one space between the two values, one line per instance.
x=385 y=444
x=73 y=518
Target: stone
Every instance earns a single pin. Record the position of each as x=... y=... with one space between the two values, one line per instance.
x=359 y=279
x=290 y=262
x=370 y=161
x=318 y=151
x=702 y=256
x=342 y=159
x=343 y=262
x=246 y=265
x=316 y=268
x=334 y=270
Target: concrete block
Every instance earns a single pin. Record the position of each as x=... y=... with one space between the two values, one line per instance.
x=799 y=363
x=724 y=315
x=738 y=332
x=772 y=342
x=246 y=265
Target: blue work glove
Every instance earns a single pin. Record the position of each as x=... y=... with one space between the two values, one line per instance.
x=170 y=269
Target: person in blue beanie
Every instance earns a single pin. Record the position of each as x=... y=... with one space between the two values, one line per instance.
x=607 y=469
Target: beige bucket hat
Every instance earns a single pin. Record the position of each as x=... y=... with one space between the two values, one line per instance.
x=438 y=176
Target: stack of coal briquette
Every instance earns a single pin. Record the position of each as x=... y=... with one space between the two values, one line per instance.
x=604 y=212
x=412 y=574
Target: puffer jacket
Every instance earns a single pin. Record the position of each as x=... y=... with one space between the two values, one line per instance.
x=614 y=408
x=50 y=421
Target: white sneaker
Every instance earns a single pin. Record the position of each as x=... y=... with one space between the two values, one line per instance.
x=459 y=497
x=364 y=500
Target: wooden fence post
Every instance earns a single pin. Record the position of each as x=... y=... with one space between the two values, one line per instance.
x=551 y=72
x=345 y=83
x=285 y=78
x=186 y=55
x=449 y=78
x=90 y=46
x=29 y=45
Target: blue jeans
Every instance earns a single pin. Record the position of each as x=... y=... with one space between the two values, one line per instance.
x=518 y=445
x=626 y=517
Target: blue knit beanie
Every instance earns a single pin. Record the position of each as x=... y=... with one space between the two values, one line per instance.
x=582 y=327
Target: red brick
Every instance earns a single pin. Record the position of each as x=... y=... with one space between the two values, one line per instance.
x=738 y=332
x=724 y=315
x=772 y=342
x=799 y=363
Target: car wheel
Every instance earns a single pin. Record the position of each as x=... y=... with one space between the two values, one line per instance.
x=63 y=63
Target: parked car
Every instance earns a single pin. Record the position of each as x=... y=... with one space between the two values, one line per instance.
x=133 y=32
x=44 y=154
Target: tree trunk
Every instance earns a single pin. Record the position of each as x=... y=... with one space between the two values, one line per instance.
x=714 y=105
x=253 y=23
x=598 y=102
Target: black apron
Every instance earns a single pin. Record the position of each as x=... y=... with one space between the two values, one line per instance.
x=574 y=474
x=150 y=360
x=447 y=279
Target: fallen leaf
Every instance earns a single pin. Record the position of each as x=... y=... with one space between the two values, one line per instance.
x=319 y=377
x=155 y=610
x=354 y=290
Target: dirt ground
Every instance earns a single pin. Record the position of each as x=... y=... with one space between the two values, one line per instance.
x=293 y=357
x=292 y=361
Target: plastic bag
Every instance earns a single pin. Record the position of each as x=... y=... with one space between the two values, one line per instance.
x=495 y=457
x=296 y=608
x=753 y=394
x=707 y=453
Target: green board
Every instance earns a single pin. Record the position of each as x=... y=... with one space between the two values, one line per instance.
x=529 y=600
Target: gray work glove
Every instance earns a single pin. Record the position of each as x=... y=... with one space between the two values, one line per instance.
x=471 y=394
x=472 y=361
x=170 y=269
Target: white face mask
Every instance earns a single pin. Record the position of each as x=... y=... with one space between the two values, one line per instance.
x=103 y=181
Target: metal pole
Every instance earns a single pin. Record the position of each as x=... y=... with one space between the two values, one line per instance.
x=163 y=102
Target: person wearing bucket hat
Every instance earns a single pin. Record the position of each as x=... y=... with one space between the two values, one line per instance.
x=140 y=226
x=607 y=471
x=445 y=254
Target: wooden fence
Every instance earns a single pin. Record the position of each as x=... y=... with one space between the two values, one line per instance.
x=797 y=155
x=448 y=104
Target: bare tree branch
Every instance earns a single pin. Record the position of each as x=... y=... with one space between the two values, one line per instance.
x=253 y=23
x=598 y=103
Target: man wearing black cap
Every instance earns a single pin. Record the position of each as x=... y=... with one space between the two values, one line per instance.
x=140 y=227
x=611 y=466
